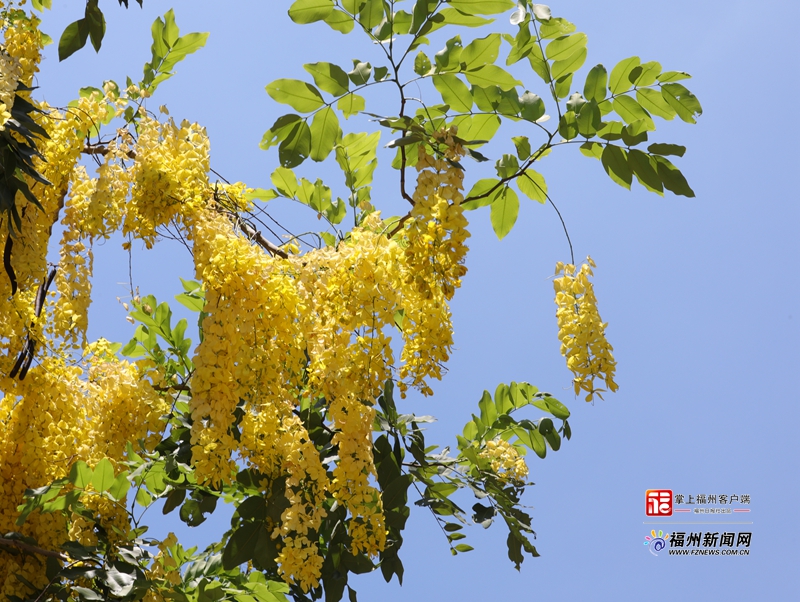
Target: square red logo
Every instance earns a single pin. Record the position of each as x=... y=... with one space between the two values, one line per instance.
x=658 y=502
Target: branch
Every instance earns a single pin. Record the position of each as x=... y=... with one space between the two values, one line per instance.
x=26 y=547
x=400 y=225
x=101 y=149
x=255 y=235
x=172 y=388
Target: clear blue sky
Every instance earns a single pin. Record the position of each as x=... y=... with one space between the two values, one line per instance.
x=701 y=295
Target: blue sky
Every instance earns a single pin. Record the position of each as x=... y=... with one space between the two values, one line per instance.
x=701 y=295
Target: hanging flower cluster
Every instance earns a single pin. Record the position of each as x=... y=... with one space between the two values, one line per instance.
x=10 y=72
x=581 y=331
x=435 y=255
x=169 y=176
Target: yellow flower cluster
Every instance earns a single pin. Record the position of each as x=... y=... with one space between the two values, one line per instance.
x=278 y=333
x=506 y=462
x=434 y=264
x=50 y=420
x=10 y=72
x=169 y=176
x=164 y=567
x=581 y=331
x=23 y=42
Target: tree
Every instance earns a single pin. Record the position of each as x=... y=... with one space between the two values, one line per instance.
x=286 y=407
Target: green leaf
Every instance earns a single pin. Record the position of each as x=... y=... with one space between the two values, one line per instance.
x=299 y=95
x=532 y=439
x=455 y=17
x=482 y=51
x=550 y=434
x=631 y=111
x=673 y=76
x=73 y=38
x=80 y=474
x=282 y=127
x=532 y=185
x=635 y=133
x=619 y=81
x=565 y=46
x=454 y=92
x=653 y=102
x=552 y=405
x=615 y=162
x=507 y=166
x=462 y=547
x=523 y=146
x=96 y=23
x=309 y=11
x=477 y=127
x=555 y=28
x=532 y=106
x=684 y=102
x=86 y=593
x=593 y=150
x=119 y=488
x=595 y=87
x=159 y=47
x=119 y=583
x=241 y=546
x=371 y=14
x=190 y=302
x=261 y=194
x=564 y=85
x=645 y=74
x=329 y=77
x=285 y=181
x=184 y=45
x=350 y=105
x=667 y=149
x=443 y=490
x=611 y=130
x=470 y=430
x=482 y=7
x=449 y=57
x=521 y=44
x=492 y=75
x=568 y=125
x=325 y=131
x=538 y=63
x=672 y=178
x=481 y=187
x=486 y=99
x=296 y=147
x=103 y=476
x=488 y=409
x=505 y=210
x=339 y=21
x=645 y=170
x=170 y=32
x=422 y=64
x=589 y=119
x=360 y=73
x=569 y=65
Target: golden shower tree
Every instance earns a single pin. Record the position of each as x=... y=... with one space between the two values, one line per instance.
x=286 y=406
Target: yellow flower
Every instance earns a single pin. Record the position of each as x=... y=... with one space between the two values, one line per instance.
x=582 y=332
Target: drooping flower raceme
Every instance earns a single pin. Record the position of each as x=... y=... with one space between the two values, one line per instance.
x=581 y=331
